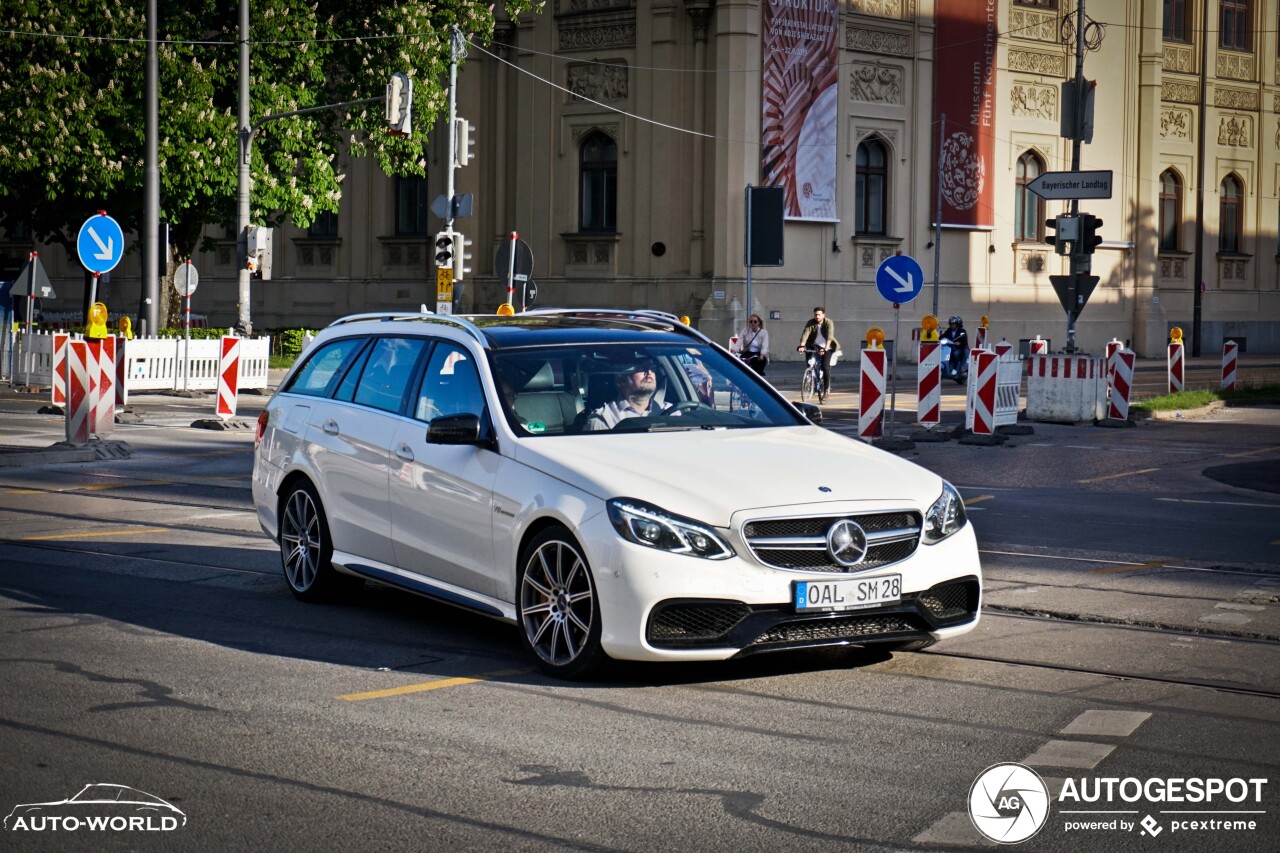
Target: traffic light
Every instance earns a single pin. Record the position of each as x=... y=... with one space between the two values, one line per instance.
x=464 y=144
x=1089 y=238
x=400 y=104
x=461 y=255
x=444 y=249
x=1068 y=228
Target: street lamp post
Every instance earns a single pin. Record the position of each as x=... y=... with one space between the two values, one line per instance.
x=244 y=325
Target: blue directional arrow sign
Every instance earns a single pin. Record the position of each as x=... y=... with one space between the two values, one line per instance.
x=900 y=278
x=100 y=244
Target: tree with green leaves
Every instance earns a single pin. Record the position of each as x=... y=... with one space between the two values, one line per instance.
x=72 y=85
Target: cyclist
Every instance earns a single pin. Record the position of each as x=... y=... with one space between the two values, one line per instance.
x=819 y=336
x=753 y=344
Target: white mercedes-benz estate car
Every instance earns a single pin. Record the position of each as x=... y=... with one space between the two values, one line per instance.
x=613 y=483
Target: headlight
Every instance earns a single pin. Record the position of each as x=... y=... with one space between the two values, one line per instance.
x=646 y=524
x=945 y=517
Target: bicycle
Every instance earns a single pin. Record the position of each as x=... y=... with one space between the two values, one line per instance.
x=812 y=380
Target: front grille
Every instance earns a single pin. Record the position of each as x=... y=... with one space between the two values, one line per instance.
x=801 y=543
x=950 y=601
x=700 y=622
x=841 y=628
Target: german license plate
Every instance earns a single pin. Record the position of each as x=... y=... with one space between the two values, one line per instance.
x=847 y=594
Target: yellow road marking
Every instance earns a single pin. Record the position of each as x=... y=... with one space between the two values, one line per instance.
x=1250 y=452
x=92 y=535
x=977 y=499
x=91 y=487
x=428 y=685
x=1135 y=567
x=1115 y=476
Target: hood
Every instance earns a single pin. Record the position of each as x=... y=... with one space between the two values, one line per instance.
x=710 y=474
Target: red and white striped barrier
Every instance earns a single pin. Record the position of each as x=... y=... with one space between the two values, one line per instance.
x=1003 y=349
x=1038 y=346
x=980 y=408
x=1066 y=388
x=59 y=383
x=122 y=387
x=929 y=383
x=871 y=393
x=79 y=379
x=1113 y=346
x=1121 y=384
x=1229 y=351
x=103 y=418
x=228 y=377
x=980 y=339
x=1176 y=367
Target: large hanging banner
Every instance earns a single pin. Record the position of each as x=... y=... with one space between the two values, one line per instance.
x=799 y=84
x=965 y=91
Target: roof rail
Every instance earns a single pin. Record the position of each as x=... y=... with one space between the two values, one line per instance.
x=620 y=313
x=388 y=316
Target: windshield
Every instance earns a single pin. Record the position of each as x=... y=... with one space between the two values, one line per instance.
x=588 y=388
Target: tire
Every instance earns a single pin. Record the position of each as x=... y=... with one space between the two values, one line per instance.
x=556 y=606
x=306 y=551
x=806 y=386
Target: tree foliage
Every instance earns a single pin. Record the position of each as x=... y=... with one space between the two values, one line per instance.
x=72 y=86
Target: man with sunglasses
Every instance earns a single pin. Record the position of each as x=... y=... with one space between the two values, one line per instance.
x=637 y=384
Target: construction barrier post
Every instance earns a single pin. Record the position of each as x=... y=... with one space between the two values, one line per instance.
x=929 y=383
x=228 y=377
x=980 y=403
x=871 y=393
x=59 y=383
x=1039 y=346
x=79 y=377
x=1175 y=367
x=1003 y=349
x=1229 y=351
x=104 y=400
x=1121 y=385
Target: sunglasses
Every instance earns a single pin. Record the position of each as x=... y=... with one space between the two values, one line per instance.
x=753 y=322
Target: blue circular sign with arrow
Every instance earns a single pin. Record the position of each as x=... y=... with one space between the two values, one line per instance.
x=100 y=244
x=900 y=278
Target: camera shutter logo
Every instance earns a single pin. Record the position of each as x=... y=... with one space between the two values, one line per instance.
x=1008 y=803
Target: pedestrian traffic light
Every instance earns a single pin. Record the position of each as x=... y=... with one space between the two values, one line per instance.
x=399 y=104
x=444 y=249
x=1068 y=231
x=1090 y=239
x=461 y=256
x=464 y=144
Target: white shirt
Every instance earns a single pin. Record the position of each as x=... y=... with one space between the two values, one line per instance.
x=754 y=342
x=611 y=414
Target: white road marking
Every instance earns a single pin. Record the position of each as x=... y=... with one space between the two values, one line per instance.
x=954 y=829
x=1225 y=619
x=1106 y=723
x=1069 y=753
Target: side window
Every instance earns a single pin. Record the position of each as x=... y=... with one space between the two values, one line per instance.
x=318 y=374
x=386 y=377
x=450 y=385
x=347 y=387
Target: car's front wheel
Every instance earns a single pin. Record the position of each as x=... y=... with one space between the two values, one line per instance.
x=558 y=612
x=306 y=550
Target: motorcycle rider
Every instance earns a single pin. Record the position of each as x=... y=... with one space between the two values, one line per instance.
x=959 y=341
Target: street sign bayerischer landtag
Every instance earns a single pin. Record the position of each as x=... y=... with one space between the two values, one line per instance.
x=100 y=243
x=1058 y=186
x=899 y=278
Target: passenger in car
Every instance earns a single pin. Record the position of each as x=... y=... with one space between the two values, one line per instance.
x=637 y=385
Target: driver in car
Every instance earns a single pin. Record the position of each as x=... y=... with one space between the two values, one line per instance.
x=636 y=387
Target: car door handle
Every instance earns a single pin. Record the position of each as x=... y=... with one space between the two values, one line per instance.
x=403 y=452
x=330 y=427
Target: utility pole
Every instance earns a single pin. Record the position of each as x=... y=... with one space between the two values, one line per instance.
x=244 y=325
x=1080 y=264
x=148 y=311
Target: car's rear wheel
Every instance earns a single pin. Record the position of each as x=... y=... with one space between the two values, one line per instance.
x=306 y=550
x=559 y=615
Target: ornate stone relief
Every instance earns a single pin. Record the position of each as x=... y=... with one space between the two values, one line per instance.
x=877 y=41
x=1031 y=24
x=1235 y=99
x=1173 y=268
x=587 y=35
x=591 y=5
x=1236 y=131
x=1234 y=269
x=1278 y=133
x=1031 y=261
x=1034 y=62
x=1177 y=58
x=582 y=130
x=875 y=83
x=1237 y=66
x=598 y=82
x=1179 y=92
x=1175 y=124
x=900 y=9
x=889 y=136
x=1035 y=101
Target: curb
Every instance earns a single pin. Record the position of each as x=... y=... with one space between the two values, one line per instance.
x=1176 y=414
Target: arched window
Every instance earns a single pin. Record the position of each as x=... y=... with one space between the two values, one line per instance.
x=1170 y=209
x=1028 y=208
x=869 y=192
x=1230 y=214
x=598 y=183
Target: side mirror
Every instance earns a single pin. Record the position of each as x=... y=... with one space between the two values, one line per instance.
x=810 y=411
x=455 y=429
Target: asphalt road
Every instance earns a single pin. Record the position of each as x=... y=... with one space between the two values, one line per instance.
x=1130 y=629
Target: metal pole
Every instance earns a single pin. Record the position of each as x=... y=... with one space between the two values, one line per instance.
x=1077 y=268
x=511 y=270
x=891 y=362
x=747 y=257
x=455 y=51
x=937 y=224
x=245 y=184
x=150 y=289
x=1198 y=265
x=186 y=322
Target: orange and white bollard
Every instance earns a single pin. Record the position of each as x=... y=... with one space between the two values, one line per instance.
x=1229 y=351
x=1039 y=346
x=59 y=384
x=80 y=376
x=1176 y=361
x=228 y=377
x=103 y=418
x=929 y=383
x=1003 y=349
x=1120 y=385
x=871 y=393
x=980 y=409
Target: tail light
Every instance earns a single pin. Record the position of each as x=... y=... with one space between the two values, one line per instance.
x=263 y=417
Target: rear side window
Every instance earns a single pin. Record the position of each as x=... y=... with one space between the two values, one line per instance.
x=388 y=373
x=321 y=370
